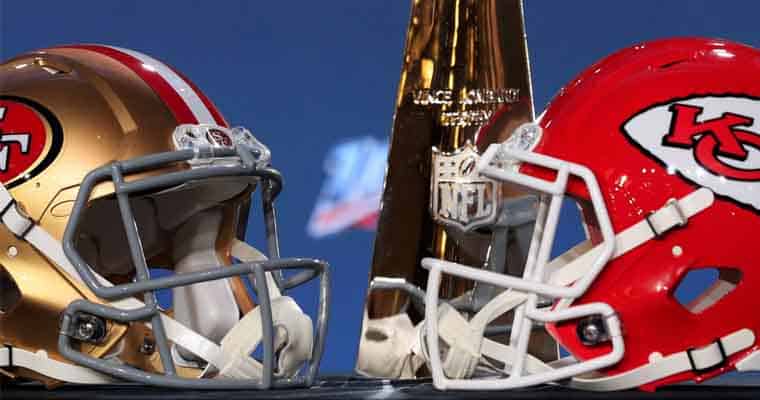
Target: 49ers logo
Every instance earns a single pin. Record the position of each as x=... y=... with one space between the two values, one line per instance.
x=711 y=140
x=218 y=138
x=21 y=139
x=30 y=138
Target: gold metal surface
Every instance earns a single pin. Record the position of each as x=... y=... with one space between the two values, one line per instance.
x=463 y=60
x=123 y=118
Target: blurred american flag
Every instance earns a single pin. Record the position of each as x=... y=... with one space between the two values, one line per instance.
x=350 y=195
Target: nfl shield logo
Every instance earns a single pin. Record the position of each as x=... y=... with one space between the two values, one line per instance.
x=461 y=197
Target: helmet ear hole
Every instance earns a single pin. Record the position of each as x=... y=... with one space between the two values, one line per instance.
x=702 y=288
x=589 y=221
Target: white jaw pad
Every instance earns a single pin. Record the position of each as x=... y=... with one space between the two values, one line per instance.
x=209 y=308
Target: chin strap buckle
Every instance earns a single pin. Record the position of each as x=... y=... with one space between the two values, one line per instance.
x=670 y=216
x=19 y=231
x=705 y=355
x=10 y=356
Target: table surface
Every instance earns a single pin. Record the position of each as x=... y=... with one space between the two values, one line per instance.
x=733 y=386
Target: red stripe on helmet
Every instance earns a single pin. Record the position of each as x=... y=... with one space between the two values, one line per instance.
x=160 y=86
x=218 y=117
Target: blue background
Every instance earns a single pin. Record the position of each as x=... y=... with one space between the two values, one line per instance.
x=303 y=75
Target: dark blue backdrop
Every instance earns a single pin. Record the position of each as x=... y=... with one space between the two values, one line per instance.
x=305 y=74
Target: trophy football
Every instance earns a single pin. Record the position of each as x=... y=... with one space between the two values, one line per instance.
x=465 y=66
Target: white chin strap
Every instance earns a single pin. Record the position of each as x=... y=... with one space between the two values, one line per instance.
x=467 y=344
x=292 y=338
x=293 y=331
x=390 y=348
x=292 y=327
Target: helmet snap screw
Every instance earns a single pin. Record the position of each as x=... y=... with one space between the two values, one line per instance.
x=147 y=347
x=592 y=331
x=89 y=328
x=86 y=330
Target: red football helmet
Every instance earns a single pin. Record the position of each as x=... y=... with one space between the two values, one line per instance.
x=659 y=146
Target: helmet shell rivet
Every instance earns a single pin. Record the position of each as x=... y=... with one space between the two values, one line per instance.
x=89 y=328
x=147 y=347
x=592 y=331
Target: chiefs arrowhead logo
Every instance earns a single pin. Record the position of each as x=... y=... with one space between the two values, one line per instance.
x=30 y=139
x=711 y=140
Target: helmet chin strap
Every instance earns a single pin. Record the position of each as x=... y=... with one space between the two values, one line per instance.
x=247 y=253
x=291 y=332
x=389 y=347
x=467 y=345
x=467 y=350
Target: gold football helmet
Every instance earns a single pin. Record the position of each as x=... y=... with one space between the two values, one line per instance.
x=112 y=162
